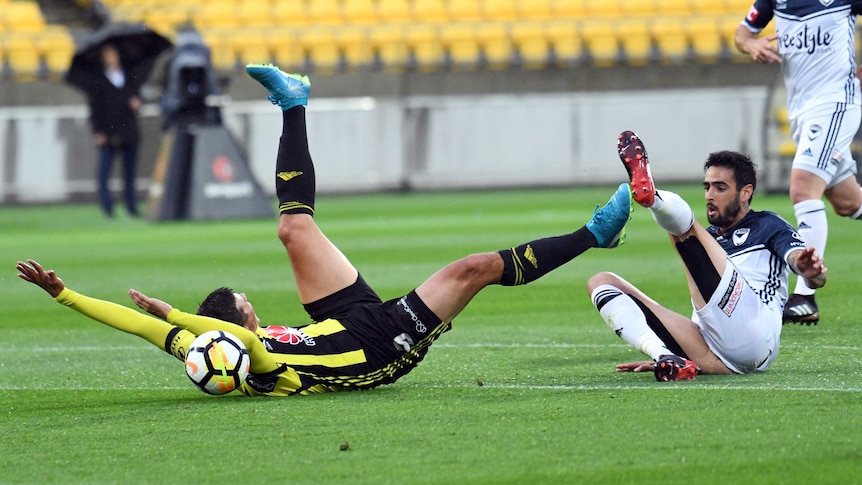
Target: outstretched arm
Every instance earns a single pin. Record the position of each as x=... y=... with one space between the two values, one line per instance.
x=809 y=265
x=117 y=316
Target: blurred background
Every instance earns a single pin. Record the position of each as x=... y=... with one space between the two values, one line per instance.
x=407 y=94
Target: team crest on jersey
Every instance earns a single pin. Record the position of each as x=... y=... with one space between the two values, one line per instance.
x=289 y=335
x=781 y=4
x=740 y=236
x=814 y=131
x=826 y=3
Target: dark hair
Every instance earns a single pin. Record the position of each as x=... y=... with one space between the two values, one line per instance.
x=744 y=170
x=221 y=304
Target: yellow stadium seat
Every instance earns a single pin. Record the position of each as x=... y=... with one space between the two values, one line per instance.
x=250 y=45
x=634 y=38
x=705 y=39
x=500 y=10
x=495 y=44
x=670 y=39
x=575 y=9
x=464 y=10
x=712 y=8
x=394 y=11
x=637 y=8
x=289 y=14
x=738 y=7
x=219 y=14
x=23 y=16
x=360 y=12
x=430 y=11
x=673 y=8
x=389 y=44
x=601 y=41
x=254 y=14
x=286 y=51
x=425 y=46
x=57 y=48
x=535 y=9
x=354 y=45
x=221 y=51
x=603 y=9
x=324 y=12
x=321 y=51
x=566 y=43
x=165 y=20
x=22 y=55
x=531 y=43
x=459 y=40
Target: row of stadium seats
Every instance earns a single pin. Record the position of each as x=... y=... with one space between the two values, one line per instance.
x=534 y=34
x=29 y=47
x=20 y=16
x=29 y=55
x=531 y=44
x=166 y=14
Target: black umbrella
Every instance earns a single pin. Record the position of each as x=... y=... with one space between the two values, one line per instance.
x=138 y=46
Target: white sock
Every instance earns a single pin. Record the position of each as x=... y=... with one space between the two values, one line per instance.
x=813 y=227
x=627 y=320
x=672 y=213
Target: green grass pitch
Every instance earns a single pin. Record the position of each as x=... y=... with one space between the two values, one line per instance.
x=522 y=390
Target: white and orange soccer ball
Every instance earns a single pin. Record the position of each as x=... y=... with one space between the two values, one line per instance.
x=217 y=362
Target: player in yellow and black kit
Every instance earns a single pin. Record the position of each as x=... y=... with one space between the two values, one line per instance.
x=357 y=340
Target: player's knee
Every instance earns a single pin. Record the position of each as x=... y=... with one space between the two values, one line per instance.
x=603 y=278
x=482 y=268
x=291 y=226
x=845 y=208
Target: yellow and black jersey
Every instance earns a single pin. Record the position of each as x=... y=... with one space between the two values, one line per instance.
x=373 y=344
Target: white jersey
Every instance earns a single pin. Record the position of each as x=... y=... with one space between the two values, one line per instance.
x=816 y=45
x=758 y=246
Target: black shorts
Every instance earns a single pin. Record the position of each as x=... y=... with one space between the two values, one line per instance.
x=394 y=334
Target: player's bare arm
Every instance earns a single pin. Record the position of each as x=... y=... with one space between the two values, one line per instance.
x=761 y=49
x=809 y=265
x=153 y=306
x=33 y=272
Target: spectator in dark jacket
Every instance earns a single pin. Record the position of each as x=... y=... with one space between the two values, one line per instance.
x=114 y=103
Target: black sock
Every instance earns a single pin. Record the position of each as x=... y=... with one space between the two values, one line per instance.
x=294 y=170
x=529 y=262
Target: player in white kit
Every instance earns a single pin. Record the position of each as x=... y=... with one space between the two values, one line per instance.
x=814 y=42
x=737 y=272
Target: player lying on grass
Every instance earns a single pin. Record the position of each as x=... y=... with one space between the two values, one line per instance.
x=356 y=341
x=737 y=272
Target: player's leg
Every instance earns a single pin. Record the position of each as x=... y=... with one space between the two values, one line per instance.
x=823 y=158
x=106 y=158
x=450 y=289
x=648 y=326
x=130 y=162
x=320 y=268
x=702 y=256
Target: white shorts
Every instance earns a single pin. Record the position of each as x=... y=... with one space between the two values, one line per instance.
x=823 y=136
x=738 y=327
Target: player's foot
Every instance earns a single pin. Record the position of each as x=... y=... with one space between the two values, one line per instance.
x=285 y=90
x=634 y=157
x=801 y=309
x=674 y=368
x=608 y=223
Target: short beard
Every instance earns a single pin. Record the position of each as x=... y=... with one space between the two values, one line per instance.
x=725 y=218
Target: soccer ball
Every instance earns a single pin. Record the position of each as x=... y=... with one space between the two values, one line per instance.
x=217 y=362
